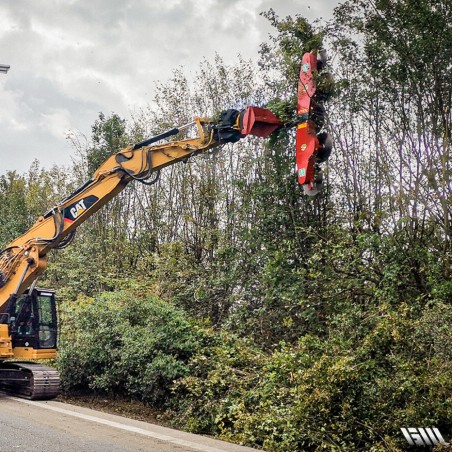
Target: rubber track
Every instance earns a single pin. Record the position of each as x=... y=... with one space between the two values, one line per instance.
x=29 y=380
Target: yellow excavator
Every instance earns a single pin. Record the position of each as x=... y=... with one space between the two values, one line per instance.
x=28 y=320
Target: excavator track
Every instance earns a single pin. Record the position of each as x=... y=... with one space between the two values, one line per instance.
x=29 y=380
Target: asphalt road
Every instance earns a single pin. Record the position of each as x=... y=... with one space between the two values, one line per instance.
x=28 y=426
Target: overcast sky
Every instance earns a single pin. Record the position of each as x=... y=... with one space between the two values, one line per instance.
x=71 y=59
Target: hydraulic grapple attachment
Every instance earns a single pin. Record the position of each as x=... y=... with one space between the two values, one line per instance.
x=307 y=145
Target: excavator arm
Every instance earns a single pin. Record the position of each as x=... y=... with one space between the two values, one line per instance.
x=24 y=334
x=25 y=259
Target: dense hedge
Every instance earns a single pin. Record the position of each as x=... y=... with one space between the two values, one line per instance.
x=125 y=344
x=352 y=389
x=344 y=391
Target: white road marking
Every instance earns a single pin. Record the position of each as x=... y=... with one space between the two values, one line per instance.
x=129 y=428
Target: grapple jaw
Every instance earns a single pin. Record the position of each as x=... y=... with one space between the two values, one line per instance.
x=311 y=150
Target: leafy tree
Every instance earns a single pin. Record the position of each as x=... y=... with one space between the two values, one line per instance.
x=26 y=197
x=108 y=137
x=394 y=112
x=13 y=220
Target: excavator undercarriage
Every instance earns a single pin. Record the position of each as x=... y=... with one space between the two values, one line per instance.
x=29 y=380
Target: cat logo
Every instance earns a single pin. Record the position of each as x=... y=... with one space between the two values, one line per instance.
x=73 y=211
x=78 y=209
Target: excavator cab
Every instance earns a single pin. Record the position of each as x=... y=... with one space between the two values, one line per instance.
x=33 y=324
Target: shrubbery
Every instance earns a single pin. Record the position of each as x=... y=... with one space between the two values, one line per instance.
x=341 y=391
x=352 y=389
x=125 y=344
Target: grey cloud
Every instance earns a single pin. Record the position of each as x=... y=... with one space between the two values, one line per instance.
x=71 y=59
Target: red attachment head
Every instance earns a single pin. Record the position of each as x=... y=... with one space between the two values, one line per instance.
x=307 y=145
x=306 y=83
x=259 y=122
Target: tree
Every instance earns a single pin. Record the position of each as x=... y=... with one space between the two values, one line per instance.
x=394 y=112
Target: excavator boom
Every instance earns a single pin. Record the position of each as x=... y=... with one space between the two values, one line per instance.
x=24 y=334
x=25 y=259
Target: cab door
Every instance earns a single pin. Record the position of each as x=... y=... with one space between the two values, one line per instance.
x=33 y=325
x=47 y=319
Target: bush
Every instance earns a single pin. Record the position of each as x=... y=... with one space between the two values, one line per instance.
x=344 y=391
x=123 y=344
